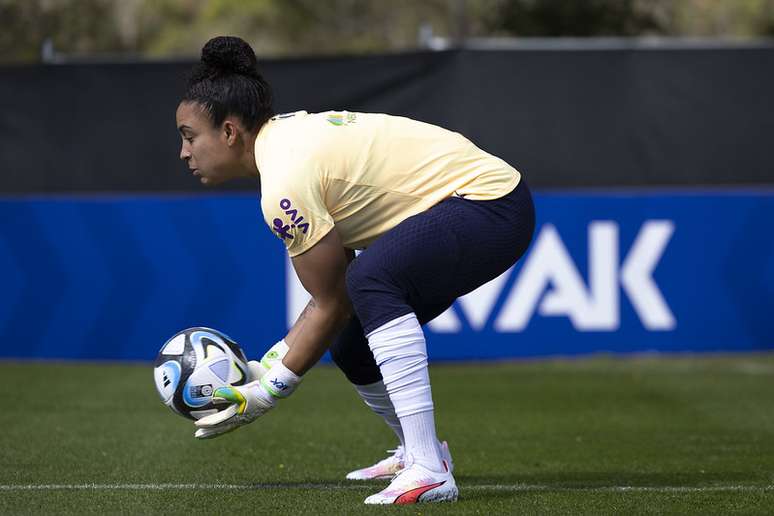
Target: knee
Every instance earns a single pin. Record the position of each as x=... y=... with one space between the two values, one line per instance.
x=358 y=372
x=338 y=355
x=350 y=352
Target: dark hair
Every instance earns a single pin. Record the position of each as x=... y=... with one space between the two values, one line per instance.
x=227 y=82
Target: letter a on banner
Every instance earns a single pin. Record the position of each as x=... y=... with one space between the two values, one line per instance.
x=549 y=264
x=550 y=269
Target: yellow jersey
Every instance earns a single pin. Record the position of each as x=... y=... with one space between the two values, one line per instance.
x=364 y=173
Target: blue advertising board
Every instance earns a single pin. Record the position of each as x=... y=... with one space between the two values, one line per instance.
x=112 y=277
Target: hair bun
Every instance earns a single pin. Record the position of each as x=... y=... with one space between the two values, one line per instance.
x=230 y=55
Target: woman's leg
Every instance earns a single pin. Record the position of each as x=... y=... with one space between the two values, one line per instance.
x=428 y=261
x=351 y=353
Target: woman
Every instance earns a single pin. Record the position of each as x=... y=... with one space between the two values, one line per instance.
x=434 y=216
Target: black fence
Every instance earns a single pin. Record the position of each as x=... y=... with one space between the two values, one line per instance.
x=582 y=118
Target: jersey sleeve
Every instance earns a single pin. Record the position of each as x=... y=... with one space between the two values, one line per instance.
x=296 y=213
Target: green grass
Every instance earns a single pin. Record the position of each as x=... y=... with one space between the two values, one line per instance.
x=687 y=435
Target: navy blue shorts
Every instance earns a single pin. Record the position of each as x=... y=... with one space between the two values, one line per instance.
x=426 y=262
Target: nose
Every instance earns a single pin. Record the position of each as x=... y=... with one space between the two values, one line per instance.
x=185 y=154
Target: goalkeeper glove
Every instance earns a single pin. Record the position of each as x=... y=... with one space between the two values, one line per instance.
x=275 y=355
x=247 y=402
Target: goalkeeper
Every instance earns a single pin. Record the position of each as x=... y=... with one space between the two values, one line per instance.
x=434 y=216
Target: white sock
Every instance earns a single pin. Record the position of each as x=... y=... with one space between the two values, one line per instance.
x=401 y=354
x=421 y=440
x=375 y=396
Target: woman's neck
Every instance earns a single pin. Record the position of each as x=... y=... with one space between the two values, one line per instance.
x=248 y=163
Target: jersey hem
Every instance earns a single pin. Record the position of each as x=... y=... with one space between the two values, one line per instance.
x=310 y=243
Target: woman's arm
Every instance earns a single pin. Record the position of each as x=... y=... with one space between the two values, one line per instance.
x=321 y=270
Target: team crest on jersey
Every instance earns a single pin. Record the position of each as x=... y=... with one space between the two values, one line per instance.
x=339 y=119
x=282 y=227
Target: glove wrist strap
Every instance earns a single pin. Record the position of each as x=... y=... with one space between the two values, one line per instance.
x=275 y=354
x=280 y=381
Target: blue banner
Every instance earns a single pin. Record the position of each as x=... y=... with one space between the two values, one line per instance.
x=112 y=277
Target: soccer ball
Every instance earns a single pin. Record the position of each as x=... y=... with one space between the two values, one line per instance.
x=192 y=364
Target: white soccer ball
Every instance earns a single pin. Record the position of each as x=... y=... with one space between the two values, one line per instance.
x=192 y=365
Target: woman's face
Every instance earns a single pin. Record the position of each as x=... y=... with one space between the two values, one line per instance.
x=210 y=152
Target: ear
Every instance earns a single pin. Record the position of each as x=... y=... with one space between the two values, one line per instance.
x=230 y=131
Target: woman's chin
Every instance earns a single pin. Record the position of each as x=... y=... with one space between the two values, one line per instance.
x=210 y=181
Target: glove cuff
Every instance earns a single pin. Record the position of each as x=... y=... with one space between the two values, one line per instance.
x=280 y=381
x=274 y=355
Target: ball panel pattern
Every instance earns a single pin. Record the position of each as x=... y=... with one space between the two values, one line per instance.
x=192 y=364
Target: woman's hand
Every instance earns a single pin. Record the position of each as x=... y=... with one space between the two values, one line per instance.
x=247 y=403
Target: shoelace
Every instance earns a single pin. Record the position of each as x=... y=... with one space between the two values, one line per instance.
x=408 y=461
x=397 y=452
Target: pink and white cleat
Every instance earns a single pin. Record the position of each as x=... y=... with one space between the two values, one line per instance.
x=417 y=484
x=389 y=467
x=385 y=468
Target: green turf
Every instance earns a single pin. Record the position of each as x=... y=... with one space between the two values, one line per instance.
x=688 y=435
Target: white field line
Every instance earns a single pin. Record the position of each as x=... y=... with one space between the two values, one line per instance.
x=367 y=487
